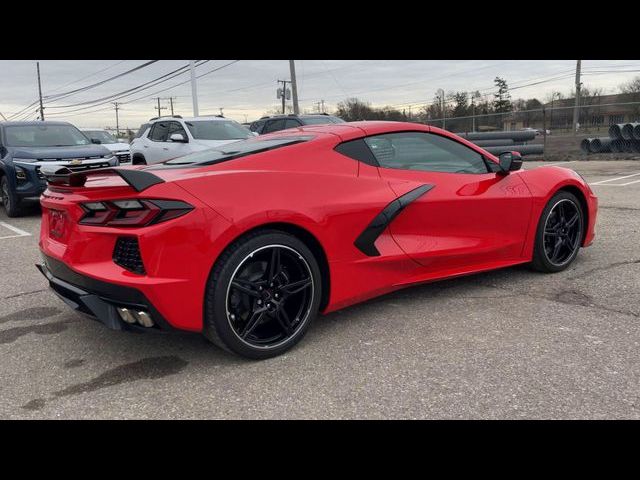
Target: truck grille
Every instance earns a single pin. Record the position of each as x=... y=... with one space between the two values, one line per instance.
x=127 y=254
x=123 y=157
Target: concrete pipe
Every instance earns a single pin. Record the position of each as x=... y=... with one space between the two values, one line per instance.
x=493 y=143
x=628 y=146
x=627 y=131
x=635 y=145
x=585 y=144
x=516 y=136
x=615 y=131
x=615 y=146
x=522 y=149
x=600 y=145
x=636 y=132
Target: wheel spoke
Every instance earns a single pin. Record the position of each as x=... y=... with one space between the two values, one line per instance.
x=245 y=288
x=556 y=249
x=253 y=321
x=274 y=266
x=296 y=287
x=283 y=320
x=572 y=221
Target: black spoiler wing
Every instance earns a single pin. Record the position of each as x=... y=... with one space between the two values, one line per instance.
x=139 y=180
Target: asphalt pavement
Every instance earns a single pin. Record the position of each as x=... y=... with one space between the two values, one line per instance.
x=500 y=345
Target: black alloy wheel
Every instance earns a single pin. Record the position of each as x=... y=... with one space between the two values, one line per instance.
x=262 y=295
x=560 y=233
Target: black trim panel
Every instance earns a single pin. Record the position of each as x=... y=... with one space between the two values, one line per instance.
x=96 y=298
x=366 y=240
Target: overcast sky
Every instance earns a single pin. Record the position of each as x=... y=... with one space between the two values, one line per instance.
x=246 y=89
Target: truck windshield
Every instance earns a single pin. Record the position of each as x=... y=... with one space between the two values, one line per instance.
x=44 y=136
x=104 y=137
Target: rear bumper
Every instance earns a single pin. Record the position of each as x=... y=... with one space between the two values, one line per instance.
x=99 y=299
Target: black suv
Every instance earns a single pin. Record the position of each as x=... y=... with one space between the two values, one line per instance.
x=25 y=147
x=275 y=123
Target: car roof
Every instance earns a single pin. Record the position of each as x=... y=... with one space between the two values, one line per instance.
x=189 y=119
x=33 y=122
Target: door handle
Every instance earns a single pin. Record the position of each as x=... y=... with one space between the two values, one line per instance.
x=146 y=146
x=165 y=148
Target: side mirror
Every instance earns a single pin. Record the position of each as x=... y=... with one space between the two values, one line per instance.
x=255 y=134
x=510 y=161
x=96 y=141
x=178 y=137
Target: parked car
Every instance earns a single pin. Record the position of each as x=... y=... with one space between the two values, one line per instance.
x=164 y=138
x=25 y=147
x=246 y=243
x=119 y=148
x=276 y=123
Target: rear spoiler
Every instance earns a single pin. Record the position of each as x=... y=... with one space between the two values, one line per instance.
x=139 y=180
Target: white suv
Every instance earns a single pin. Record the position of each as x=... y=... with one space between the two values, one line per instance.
x=165 y=138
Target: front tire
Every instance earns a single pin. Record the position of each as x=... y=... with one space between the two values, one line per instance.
x=559 y=234
x=10 y=200
x=263 y=293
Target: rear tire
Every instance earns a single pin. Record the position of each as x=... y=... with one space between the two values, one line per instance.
x=559 y=234
x=263 y=293
x=10 y=200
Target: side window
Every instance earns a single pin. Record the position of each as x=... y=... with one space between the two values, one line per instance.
x=274 y=126
x=257 y=126
x=424 y=152
x=159 y=132
x=358 y=150
x=143 y=128
x=176 y=127
x=291 y=123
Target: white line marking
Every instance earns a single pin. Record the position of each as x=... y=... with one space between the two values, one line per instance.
x=617 y=178
x=615 y=184
x=20 y=233
x=557 y=163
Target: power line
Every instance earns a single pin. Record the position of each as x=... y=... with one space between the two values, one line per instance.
x=60 y=96
x=87 y=76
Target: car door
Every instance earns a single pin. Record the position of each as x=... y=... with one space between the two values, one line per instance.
x=173 y=149
x=154 y=151
x=458 y=212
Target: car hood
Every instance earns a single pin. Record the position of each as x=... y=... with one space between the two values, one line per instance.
x=61 y=152
x=214 y=143
x=116 y=147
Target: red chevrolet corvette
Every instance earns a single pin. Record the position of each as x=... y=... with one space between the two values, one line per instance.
x=246 y=243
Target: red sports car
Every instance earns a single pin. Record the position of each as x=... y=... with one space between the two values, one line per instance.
x=246 y=243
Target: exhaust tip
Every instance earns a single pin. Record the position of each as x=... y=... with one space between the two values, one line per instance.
x=132 y=316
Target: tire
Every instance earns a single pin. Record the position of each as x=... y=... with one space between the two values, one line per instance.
x=138 y=159
x=549 y=229
x=10 y=200
x=243 y=288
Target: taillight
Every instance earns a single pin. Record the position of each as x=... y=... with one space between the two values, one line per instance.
x=132 y=213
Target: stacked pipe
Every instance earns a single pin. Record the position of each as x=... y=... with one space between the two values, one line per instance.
x=498 y=142
x=623 y=138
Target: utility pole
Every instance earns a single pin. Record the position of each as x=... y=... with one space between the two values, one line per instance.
x=576 y=110
x=283 y=93
x=322 y=102
x=221 y=109
x=473 y=116
x=294 y=86
x=170 y=103
x=159 y=107
x=444 y=115
x=40 y=92
x=194 y=88
x=117 y=107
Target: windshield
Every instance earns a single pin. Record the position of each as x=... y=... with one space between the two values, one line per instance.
x=320 y=120
x=104 y=137
x=44 y=136
x=235 y=150
x=218 y=130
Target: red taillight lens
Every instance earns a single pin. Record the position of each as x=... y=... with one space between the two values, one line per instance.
x=132 y=213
